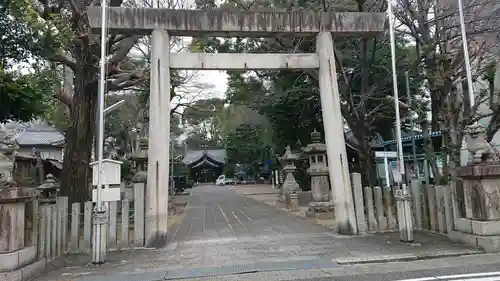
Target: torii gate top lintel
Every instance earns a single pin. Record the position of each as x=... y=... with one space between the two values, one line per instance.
x=229 y=23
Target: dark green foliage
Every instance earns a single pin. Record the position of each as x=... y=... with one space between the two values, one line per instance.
x=21 y=98
x=246 y=146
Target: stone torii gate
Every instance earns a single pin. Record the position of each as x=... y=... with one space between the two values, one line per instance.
x=163 y=23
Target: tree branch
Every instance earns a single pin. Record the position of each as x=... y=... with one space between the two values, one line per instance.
x=63 y=59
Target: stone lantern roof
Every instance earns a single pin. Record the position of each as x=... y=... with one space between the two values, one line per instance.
x=289 y=155
x=316 y=145
x=49 y=190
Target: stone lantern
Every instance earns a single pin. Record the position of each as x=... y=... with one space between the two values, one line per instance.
x=318 y=170
x=49 y=190
x=290 y=184
x=141 y=161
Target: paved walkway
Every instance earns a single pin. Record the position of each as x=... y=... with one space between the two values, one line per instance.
x=222 y=227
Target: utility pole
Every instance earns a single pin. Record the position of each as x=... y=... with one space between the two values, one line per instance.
x=466 y=52
x=403 y=195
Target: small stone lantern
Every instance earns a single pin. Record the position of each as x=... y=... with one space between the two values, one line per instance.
x=49 y=190
x=290 y=184
x=141 y=161
x=318 y=168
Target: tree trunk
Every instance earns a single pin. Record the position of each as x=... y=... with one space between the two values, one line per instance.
x=76 y=175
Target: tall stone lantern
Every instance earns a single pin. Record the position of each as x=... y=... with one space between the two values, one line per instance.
x=290 y=184
x=318 y=168
x=141 y=160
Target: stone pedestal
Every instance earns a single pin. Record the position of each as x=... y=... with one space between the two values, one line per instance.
x=320 y=209
x=481 y=226
x=17 y=261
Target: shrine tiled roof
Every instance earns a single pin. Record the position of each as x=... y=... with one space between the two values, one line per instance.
x=193 y=156
x=40 y=135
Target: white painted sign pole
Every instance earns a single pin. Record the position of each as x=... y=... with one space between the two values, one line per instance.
x=100 y=216
x=386 y=155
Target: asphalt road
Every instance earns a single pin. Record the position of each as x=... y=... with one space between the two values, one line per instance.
x=484 y=267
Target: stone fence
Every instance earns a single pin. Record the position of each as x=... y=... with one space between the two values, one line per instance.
x=376 y=207
x=35 y=230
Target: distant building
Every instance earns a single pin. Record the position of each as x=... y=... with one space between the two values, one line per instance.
x=205 y=164
x=40 y=137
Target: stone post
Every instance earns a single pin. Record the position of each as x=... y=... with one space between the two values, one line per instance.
x=318 y=170
x=294 y=201
x=334 y=136
x=159 y=139
x=290 y=184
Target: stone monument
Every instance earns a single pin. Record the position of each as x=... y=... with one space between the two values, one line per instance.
x=318 y=170
x=481 y=183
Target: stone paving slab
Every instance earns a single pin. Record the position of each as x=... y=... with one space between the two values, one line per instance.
x=254 y=189
x=222 y=227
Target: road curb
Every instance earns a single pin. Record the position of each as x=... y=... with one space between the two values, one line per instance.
x=403 y=257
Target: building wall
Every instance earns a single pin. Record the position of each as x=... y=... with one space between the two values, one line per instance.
x=45 y=152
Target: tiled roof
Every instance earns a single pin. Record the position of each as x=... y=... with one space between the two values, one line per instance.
x=192 y=156
x=40 y=134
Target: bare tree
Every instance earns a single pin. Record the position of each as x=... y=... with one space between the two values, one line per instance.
x=434 y=28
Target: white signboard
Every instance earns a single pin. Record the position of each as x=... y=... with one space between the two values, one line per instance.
x=386 y=154
x=111 y=172
x=396 y=175
x=107 y=194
